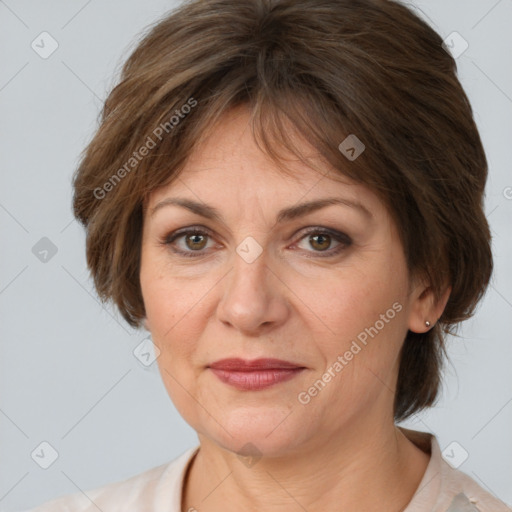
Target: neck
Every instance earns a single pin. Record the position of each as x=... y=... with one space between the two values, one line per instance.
x=372 y=469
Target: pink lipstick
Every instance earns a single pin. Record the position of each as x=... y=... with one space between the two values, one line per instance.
x=254 y=375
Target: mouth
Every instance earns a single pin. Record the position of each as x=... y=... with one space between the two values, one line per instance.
x=254 y=375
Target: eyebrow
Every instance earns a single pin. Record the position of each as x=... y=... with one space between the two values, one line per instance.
x=284 y=215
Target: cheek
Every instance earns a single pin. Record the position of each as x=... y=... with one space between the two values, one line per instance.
x=360 y=363
x=352 y=302
x=177 y=311
x=175 y=316
x=366 y=319
x=167 y=298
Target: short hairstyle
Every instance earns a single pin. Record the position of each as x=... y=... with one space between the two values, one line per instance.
x=329 y=69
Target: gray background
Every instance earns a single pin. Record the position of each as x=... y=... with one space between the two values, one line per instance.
x=68 y=375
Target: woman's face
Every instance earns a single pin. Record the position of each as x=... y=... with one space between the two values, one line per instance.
x=326 y=290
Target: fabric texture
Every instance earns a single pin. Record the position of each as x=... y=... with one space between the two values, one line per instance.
x=442 y=488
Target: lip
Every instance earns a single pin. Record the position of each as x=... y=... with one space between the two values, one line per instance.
x=254 y=375
x=237 y=364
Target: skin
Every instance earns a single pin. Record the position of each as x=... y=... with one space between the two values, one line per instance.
x=342 y=450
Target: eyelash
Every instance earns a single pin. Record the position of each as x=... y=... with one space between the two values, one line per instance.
x=344 y=240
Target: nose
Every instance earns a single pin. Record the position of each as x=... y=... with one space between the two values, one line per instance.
x=254 y=298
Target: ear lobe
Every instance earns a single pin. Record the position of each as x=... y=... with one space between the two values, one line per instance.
x=426 y=309
x=145 y=323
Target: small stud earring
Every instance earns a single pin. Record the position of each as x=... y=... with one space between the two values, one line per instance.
x=427 y=323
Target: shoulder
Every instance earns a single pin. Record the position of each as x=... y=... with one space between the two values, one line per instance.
x=143 y=492
x=459 y=490
x=444 y=488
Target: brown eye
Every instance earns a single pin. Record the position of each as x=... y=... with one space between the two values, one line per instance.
x=320 y=242
x=195 y=241
x=188 y=242
x=322 y=239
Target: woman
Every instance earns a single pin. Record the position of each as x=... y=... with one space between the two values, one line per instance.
x=288 y=195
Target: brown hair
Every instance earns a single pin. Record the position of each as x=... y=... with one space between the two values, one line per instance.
x=329 y=68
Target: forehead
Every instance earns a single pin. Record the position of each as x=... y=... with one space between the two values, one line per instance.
x=228 y=165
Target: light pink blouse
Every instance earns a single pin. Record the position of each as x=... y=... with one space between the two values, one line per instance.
x=442 y=489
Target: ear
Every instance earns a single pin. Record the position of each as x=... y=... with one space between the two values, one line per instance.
x=145 y=323
x=425 y=308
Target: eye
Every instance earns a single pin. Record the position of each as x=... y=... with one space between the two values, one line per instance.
x=194 y=240
x=321 y=240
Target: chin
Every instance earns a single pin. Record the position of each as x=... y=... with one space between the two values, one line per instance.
x=256 y=433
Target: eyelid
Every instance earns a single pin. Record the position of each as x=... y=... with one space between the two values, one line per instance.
x=188 y=230
x=325 y=230
x=344 y=241
x=342 y=238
